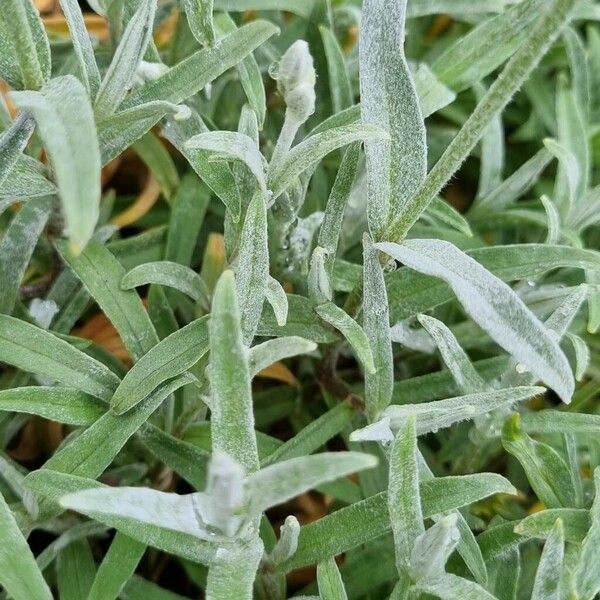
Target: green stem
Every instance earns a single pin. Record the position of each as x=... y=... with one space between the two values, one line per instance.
x=554 y=18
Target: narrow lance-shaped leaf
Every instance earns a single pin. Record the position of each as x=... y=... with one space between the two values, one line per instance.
x=101 y=273
x=351 y=330
x=190 y=75
x=331 y=586
x=454 y=357
x=117 y=567
x=12 y=143
x=438 y=414
x=169 y=274
x=75 y=570
x=404 y=502
x=82 y=45
x=35 y=350
x=494 y=306
x=17 y=246
x=368 y=519
x=452 y=587
x=276 y=297
x=271 y=351
x=60 y=404
x=546 y=470
x=376 y=320
x=128 y=56
x=248 y=71
x=330 y=231
x=29 y=40
x=309 y=152
x=65 y=119
x=172 y=356
x=395 y=168
x=339 y=82
x=284 y=480
x=252 y=273
x=547 y=584
x=200 y=20
x=230 y=145
x=232 y=419
x=19 y=574
x=553 y=18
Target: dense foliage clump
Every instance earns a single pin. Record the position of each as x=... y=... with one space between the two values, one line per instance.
x=299 y=298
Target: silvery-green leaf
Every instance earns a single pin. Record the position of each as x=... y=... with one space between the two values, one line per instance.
x=19 y=574
x=309 y=152
x=404 y=503
x=331 y=586
x=232 y=572
x=17 y=246
x=486 y=46
x=60 y=404
x=422 y=8
x=143 y=505
x=172 y=356
x=416 y=339
x=275 y=295
x=24 y=27
x=369 y=519
x=351 y=330
x=169 y=274
x=380 y=431
x=452 y=587
x=593 y=278
x=570 y=174
x=14 y=478
x=514 y=186
x=249 y=72
x=433 y=94
x=329 y=233
x=101 y=273
x=288 y=541
x=271 y=351
x=586 y=576
x=319 y=285
x=395 y=167
x=230 y=145
x=493 y=306
x=580 y=72
x=339 y=82
x=505 y=574
x=121 y=129
x=444 y=212
x=582 y=355
x=117 y=567
x=64 y=116
x=12 y=143
x=376 y=321
x=82 y=45
x=129 y=53
x=252 y=273
x=576 y=524
x=454 y=357
x=438 y=414
x=217 y=175
x=284 y=480
x=35 y=350
x=553 y=217
x=546 y=470
x=190 y=75
x=232 y=418
x=433 y=547
x=492 y=152
x=572 y=136
x=292 y=6
x=547 y=584
x=200 y=19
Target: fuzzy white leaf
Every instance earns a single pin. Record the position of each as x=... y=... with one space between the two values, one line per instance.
x=494 y=306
